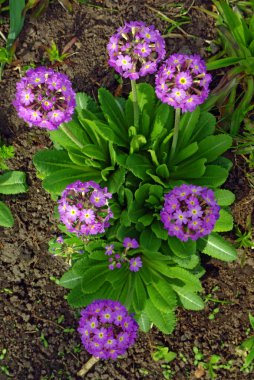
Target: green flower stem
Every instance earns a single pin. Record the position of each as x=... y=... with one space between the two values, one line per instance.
x=176 y=132
x=135 y=103
x=66 y=130
x=87 y=366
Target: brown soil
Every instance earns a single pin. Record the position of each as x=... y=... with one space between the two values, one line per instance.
x=38 y=328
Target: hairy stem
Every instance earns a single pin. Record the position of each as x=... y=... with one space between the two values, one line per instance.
x=87 y=366
x=176 y=132
x=135 y=103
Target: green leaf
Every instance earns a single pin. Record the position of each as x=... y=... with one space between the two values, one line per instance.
x=164 y=321
x=48 y=161
x=212 y=147
x=189 y=300
x=136 y=143
x=126 y=296
x=185 y=153
x=194 y=169
x=224 y=197
x=162 y=295
x=181 y=274
x=188 y=262
x=159 y=231
x=224 y=62
x=140 y=295
x=70 y=135
x=13 y=182
x=163 y=113
x=116 y=180
x=187 y=126
x=146 y=219
x=94 y=152
x=70 y=279
x=224 y=223
x=144 y=322
x=149 y=241
x=162 y=171
x=94 y=278
x=217 y=247
x=6 y=218
x=214 y=176
x=16 y=21
x=76 y=297
x=113 y=112
x=181 y=248
x=205 y=127
x=138 y=164
x=57 y=182
x=108 y=132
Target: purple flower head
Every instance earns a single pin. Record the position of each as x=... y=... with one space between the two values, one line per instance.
x=189 y=212
x=106 y=329
x=44 y=98
x=79 y=212
x=130 y=243
x=182 y=82
x=136 y=49
x=59 y=240
x=135 y=264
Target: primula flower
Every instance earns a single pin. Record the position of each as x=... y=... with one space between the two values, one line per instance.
x=44 y=98
x=135 y=264
x=80 y=213
x=106 y=329
x=182 y=82
x=130 y=243
x=136 y=49
x=195 y=213
x=117 y=259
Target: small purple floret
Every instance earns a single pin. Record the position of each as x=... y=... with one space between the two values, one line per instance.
x=116 y=260
x=136 y=49
x=130 y=243
x=135 y=264
x=182 y=82
x=106 y=329
x=45 y=98
x=81 y=213
x=189 y=212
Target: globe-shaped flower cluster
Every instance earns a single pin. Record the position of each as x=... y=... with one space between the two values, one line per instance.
x=136 y=49
x=106 y=329
x=83 y=208
x=182 y=82
x=189 y=212
x=45 y=98
x=117 y=259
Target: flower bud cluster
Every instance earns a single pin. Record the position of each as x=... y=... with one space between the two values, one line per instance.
x=45 y=98
x=189 y=212
x=106 y=329
x=83 y=208
x=182 y=82
x=116 y=259
x=136 y=49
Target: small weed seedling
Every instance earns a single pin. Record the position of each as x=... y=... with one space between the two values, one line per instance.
x=164 y=355
x=211 y=365
x=44 y=340
x=6 y=152
x=11 y=182
x=245 y=239
x=54 y=54
x=248 y=347
x=211 y=298
x=3 y=368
